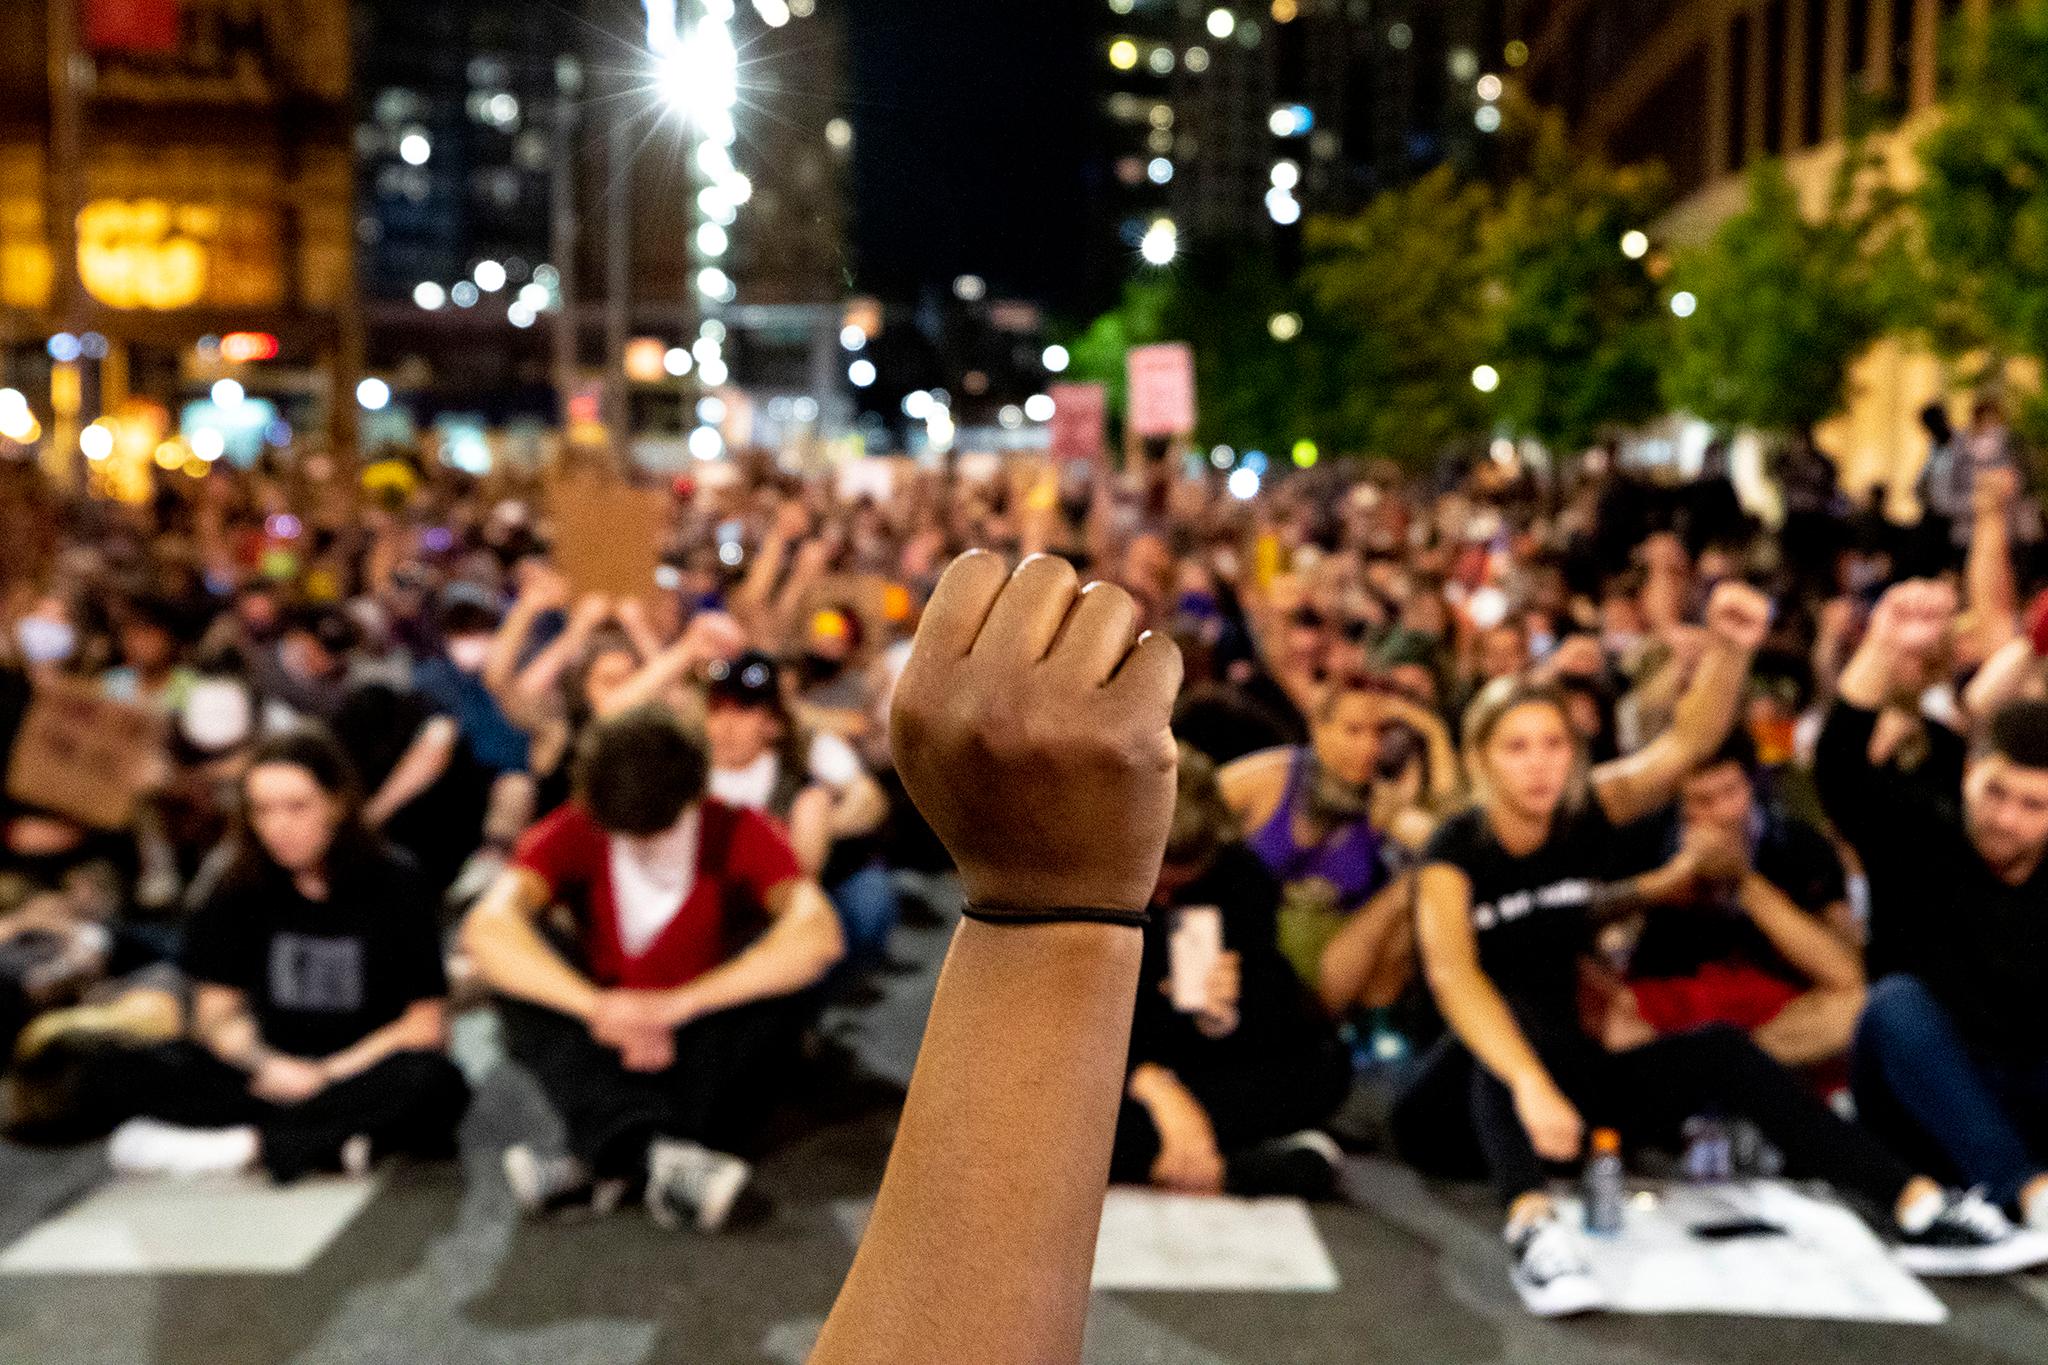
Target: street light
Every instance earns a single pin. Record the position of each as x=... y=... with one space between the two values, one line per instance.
x=1161 y=242
x=1485 y=378
x=1056 y=359
x=861 y=373
x=1635 y=244
x=1684 y=303
x=373 y=394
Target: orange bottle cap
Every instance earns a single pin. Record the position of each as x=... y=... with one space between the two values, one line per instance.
x=1606 y=1141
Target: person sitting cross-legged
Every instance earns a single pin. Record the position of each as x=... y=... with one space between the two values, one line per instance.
x=319 y=1026
x=661 y=1034
x=1233 y=1062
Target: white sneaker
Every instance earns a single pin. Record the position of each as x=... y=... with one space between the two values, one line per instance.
x=688 y=1180
x=148 y=1147
x=1550 y=1271
x=557 y=1184
x=357 y=1157
x=1965 y=1234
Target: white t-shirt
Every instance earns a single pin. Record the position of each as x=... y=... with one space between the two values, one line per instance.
x=651 y=878
x=831 y=761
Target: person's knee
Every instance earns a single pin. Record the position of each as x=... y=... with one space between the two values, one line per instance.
x=1899 y=1009
x=431 y=1077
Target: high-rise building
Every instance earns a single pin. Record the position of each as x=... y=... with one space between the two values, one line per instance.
x=1231 y=120
x=517 y=161
x=1708 y=88
x=174 y=190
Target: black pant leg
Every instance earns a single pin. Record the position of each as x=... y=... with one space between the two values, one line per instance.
x=1430 y=1123
x=1257 y=1093
x=410 y=1102
x=1136 y=1146
x=180 y=1083
x=610 y=1113
x=1576 y=1066
x=731 y=1069
x=1718 y=1069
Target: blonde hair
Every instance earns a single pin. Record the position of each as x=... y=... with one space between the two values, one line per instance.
x=1491 y=707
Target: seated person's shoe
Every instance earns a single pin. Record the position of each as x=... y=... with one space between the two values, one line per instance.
x=1963 y=1234
x=557 y=1184
x=691 y=1183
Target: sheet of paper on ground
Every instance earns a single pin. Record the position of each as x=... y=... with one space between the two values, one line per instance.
x=153 y=1225
x=1186 y=1242
x=1828 y=1265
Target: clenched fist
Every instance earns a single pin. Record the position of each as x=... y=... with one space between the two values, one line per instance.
x=1032 y=732
x=1739 y=615
x=1912 y=618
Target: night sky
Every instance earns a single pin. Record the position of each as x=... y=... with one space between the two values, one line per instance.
x=971 y=122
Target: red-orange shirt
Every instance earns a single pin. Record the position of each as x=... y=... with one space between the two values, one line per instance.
x=740 y=858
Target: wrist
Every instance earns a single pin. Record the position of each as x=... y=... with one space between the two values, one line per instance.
x=679 y=1007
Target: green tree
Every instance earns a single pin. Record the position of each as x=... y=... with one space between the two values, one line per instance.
x=1251 y=386
x=1576 y=328
x=1785 y=303
x=1983 y=201
x=1397 y=291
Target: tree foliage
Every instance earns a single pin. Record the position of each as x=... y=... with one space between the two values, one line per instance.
x=1786 y=303
x=1576 y=328
x=1983 y=202
x=1397 y=289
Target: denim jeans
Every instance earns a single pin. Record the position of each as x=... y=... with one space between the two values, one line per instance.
x=867 y=905
x=1919 y=1084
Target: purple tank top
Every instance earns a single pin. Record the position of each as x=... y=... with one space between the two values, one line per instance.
x=1349 y=859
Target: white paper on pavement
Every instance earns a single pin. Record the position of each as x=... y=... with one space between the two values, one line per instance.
x=1828 y=1265
x=211 y=1224
x=1177 y=1242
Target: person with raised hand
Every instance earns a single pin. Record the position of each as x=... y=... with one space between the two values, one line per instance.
x=1949 y=1053
x=1032 y=730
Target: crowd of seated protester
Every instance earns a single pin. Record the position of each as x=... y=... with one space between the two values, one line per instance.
x=1530 y=805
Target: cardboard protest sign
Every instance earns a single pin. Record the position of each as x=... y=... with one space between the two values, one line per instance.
x=607 y=536
x=81 y=755
x=1162 y=380
x=1077 y=413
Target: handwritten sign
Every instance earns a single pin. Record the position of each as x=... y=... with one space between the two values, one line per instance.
x=1162 y=380
x=607 y=536
x=1077 y=411
x=81 y=755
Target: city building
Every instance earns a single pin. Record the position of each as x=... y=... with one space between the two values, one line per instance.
x=631 y=201
x=174 y=229
x=1229 y=121
x=1709 y=87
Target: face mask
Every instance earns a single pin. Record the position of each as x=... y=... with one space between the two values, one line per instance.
x=468 y=652
x=44 y=641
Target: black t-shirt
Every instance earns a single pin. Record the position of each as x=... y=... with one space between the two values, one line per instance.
x=1529 y=913
x=320 y=976
x=376 y=724
x=1678 y=940
x=1937 y=911
x=1276 y=1014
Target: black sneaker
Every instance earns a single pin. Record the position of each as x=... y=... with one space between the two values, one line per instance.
x=688 y=1182
x=1302 y=1164
x=1965 y=1234
x=1551 y=1274
x=557 y=1184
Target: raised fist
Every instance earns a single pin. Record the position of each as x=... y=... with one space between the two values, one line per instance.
x=1912 y=618
x=1033 y=734
x=1994 y=490
x=1739 y=615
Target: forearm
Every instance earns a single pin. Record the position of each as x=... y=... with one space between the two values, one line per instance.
x=984 y=1230
x=1803 y=941
x=1354 y=958
x=1988 y=577
x=1475 y=1011
x=798 y=949
x=422 y=1028
x=419 y=768
x=2004 y=676
x=515 y=960
x=1707 y=711
x=501 y=665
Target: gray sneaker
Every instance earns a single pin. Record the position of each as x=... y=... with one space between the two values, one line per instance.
x=558 y=1184
x=687 y=1181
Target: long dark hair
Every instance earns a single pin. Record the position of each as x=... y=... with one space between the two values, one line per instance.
x=350 y=853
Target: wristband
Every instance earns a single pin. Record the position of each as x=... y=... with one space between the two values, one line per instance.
x=993 y=912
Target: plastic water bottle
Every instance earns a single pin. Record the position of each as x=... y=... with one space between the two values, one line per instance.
x=1709 y=1151
x=1606 y=1185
